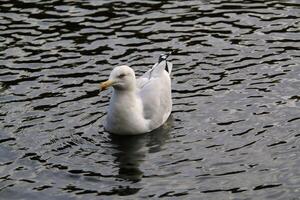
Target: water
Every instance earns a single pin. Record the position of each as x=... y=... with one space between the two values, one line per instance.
x=234 y=130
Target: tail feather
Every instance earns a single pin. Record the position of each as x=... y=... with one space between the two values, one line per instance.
x=169 y=67
x=163 y=57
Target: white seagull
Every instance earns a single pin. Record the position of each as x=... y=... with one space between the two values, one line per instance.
x=139 y=105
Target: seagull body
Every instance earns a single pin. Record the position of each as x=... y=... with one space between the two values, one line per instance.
x=139 y=105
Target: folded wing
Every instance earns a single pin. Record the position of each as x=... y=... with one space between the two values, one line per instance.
x=155 y=92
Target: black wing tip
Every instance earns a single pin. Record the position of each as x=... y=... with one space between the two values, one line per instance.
x=163 y=57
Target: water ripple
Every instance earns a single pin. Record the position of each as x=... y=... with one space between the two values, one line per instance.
x=233 y=130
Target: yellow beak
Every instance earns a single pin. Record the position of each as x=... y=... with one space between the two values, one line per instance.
x=106 y=84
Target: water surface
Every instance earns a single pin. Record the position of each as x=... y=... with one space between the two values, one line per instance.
x=234 y=130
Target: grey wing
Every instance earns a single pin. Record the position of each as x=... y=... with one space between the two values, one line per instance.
x=155 y=92
x=157 y=70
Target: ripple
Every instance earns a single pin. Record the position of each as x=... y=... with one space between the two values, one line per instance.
x=233 y=129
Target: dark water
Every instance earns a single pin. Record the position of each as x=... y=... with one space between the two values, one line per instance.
x=234 y=131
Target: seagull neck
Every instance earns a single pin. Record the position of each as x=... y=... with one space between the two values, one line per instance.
x=124 y=97
x=127 y=92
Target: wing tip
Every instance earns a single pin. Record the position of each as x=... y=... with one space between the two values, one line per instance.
x=164 y=57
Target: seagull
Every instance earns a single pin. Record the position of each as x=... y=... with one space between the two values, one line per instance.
x=140 y=105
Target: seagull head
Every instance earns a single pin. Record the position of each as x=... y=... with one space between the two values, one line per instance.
x=121 y=78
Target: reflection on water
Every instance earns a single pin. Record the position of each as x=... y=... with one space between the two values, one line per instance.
x=133 y=150
x=235 y=86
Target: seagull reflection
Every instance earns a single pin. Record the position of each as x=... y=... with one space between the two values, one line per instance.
x=132 y=150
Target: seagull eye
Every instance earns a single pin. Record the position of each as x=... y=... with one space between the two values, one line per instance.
x=121 y=75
